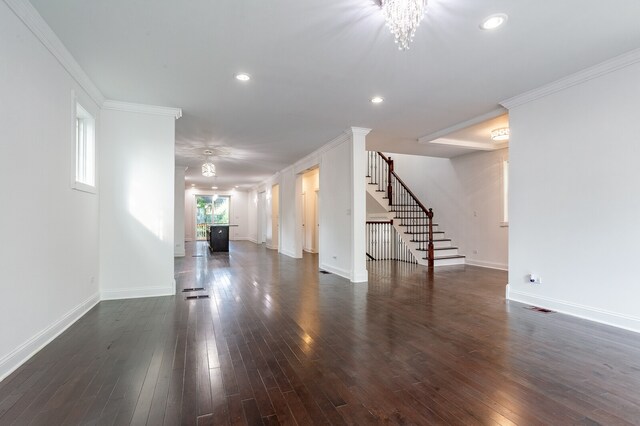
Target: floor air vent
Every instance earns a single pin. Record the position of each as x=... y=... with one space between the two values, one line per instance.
x=325 y=272
x=201 y=296
x=193 y=289
x=198 y=255
x=543 y=310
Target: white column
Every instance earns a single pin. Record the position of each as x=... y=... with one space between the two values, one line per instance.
x=358 y=204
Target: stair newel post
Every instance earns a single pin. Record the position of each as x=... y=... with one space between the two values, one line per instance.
x=431 y=255
x=389 y=186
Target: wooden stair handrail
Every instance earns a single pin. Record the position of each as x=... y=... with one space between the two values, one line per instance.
x=428 y=212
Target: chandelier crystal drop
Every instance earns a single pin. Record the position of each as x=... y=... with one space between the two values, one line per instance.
x=403 y=19
x=208 y=168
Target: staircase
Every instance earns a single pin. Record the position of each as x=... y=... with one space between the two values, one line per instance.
x=416 y=236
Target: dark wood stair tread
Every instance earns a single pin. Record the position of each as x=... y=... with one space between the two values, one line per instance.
x=458 y=256
x=435 y=241
x=437 y=248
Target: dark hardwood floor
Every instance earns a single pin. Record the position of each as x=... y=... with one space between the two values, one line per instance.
x=279 y=343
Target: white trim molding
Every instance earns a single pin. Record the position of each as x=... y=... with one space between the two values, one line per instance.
x=142 y=109
x=603 y=68
x=137 y=293
x=25 y=11
x=13 y=360
x=490 y=265
x=336 y=271
x=581 y=311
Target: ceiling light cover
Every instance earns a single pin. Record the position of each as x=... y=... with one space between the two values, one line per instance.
x=377 y=100
x=493 y=21
x=403 y=19
x=208 y=170
x=243 y=77
x=501 y=134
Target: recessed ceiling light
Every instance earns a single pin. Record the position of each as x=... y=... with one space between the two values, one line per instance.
x=243 y=77
x=193 y=184
x=236 y=186
x=377 y=100
x=214 y=187
x=492 y=22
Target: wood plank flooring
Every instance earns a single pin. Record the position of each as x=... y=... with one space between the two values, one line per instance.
x=279 y=343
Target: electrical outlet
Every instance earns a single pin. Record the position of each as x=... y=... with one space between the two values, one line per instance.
x=535 y=279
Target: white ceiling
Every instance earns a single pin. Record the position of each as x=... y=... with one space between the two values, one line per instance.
x=315 y=64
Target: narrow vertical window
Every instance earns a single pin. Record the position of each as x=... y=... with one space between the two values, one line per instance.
x=85 y=158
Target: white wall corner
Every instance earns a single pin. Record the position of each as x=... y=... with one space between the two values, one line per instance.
x=506 y=291
x=32 y=19
x=10 y=362
x=142 y=109
x=603 y=68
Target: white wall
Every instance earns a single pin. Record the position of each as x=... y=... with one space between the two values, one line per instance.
x=49 y=232
x=136 y=204
x=290 y=213
x=574 y=204
x=237 y=208
x=178 y=212
x=275 y=218
x=466 y=196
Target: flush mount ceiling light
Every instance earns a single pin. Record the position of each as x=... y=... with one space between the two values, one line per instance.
x=403 y=19
x=377 y=100
x=214 y=187
x=208 y=168
x=501 y=134
x=243 y=77
x=492 y=22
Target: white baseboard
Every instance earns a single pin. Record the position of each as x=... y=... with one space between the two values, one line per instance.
x=180 y=253
x=310 y=251
x=241 y=239
x=586 y=312
x=136 y=293
x=271 y=247
x=253 y=240
x=338 y=271
x=484 y=264
x=10 y=362
x=290 y=254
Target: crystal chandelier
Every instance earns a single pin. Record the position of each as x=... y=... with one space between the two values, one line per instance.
x=403 y=19
x=208 y=168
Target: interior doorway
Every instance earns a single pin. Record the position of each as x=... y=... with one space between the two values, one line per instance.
x=310 y=219
x=275 y=217
x=262 y=217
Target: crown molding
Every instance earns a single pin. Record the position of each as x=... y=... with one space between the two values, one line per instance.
x=609 y=66
x=143 y=109
x=25 y=11
x=475 y=120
